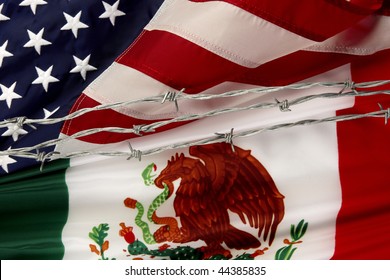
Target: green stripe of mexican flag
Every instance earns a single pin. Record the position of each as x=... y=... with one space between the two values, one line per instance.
x=33 y=212
x=321 y=190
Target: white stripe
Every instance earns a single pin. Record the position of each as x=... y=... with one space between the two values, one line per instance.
x=227 y=31
x=356 y=40
x=120 y=83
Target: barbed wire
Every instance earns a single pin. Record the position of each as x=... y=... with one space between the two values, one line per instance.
x=230 y=136
x=284 y=106
x=175 y=96
x=217 y=138
x=139 y=129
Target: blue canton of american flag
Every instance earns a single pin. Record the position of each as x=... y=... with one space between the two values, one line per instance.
x=50 y=50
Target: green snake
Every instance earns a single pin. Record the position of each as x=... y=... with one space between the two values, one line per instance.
x=131 y=203
x=156 y=203
x=148 y=237
x=151 y=215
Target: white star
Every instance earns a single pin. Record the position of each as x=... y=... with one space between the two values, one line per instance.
x=2 y=17
x=45 y=77
x=49 y=113
x=73 y=23
x=4 y=52
x=14 y=130
x=111 y=11
x=5 y=160
x=36 y=40
x=9 y=94
x=82 y=66
x=33 y=4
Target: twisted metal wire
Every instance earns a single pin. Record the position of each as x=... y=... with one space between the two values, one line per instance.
x=176 y=96
x=284 y=106
x=139 y=129
x=217 y=138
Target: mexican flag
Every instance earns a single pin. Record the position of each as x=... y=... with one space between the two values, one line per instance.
x=306 y=185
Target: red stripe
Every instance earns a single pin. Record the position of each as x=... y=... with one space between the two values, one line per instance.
x=177 y=62
x=363 y=223
x=315 y=20
x=104 y=118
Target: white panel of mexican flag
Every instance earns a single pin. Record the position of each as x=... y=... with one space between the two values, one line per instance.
x=302 y=161
x=311 y=187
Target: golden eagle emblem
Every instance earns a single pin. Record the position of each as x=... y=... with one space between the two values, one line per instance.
x=213 y=181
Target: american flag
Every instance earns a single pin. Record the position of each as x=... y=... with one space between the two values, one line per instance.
x=49 y=52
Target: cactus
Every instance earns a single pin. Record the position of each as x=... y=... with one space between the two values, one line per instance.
x=183 y=252
x=138 y=248
x=178 y=253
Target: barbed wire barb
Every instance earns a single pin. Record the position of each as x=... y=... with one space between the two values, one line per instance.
x=172 y=96
x=349 y=84
x=137 y=129
x=20 y=122
x=134 y=153
x=284 y=105
x=228 y=138
x=386 y=113
x=42 y=157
